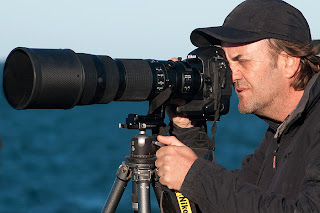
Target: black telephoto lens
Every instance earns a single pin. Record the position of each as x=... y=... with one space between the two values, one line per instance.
x=42 y=78
x=61 y=79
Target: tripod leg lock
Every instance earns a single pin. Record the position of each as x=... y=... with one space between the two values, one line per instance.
x=124 y=172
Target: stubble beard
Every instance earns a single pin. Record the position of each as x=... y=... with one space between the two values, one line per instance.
x=248 y=104
x=244 y=107
x=258 y=102
x=247 y=108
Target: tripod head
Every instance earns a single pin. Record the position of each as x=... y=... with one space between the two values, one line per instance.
x=142 y=145
x=140 y=164
x=143 y=122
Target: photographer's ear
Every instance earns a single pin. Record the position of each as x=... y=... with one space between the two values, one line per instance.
x=290 y=65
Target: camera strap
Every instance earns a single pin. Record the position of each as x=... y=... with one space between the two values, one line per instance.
x=184 y=204
x=159 y=100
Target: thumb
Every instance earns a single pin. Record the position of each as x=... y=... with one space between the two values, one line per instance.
x=169 y=140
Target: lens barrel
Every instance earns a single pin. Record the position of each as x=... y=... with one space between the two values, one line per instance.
x=61 y=79
x=42 y=78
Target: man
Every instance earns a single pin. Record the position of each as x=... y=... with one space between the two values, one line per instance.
x=275 y=74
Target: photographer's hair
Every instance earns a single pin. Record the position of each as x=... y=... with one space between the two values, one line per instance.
x=309 y=63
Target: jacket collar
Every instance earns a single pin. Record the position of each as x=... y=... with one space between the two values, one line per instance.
x=310 y=96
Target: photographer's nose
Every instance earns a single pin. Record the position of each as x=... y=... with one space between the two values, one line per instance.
x=236 y=74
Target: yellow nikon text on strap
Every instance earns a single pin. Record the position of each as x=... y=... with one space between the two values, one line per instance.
x=183 y=202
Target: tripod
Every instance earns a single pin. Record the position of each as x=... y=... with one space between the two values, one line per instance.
x=140 y=166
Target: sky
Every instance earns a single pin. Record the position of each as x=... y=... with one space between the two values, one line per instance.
x=119 y=28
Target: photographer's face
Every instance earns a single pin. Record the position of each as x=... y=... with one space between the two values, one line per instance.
x=256 y=79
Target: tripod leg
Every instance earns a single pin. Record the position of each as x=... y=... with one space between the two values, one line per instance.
x=144 y=197
x=134 y=197
x=142 y=180
x=123 y=176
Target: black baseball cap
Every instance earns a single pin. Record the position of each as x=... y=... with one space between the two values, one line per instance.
x=253 y=20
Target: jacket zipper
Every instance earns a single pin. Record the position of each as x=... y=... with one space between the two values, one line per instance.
x=275 y=155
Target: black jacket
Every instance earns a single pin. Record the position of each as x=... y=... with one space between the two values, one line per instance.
x=283 y=174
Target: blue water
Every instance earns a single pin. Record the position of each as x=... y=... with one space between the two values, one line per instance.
x=65 y=161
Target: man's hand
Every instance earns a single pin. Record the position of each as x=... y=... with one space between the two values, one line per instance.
x=173 y=162
x=179 y=120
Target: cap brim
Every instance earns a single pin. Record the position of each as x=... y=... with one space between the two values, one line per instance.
x=214 y=35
